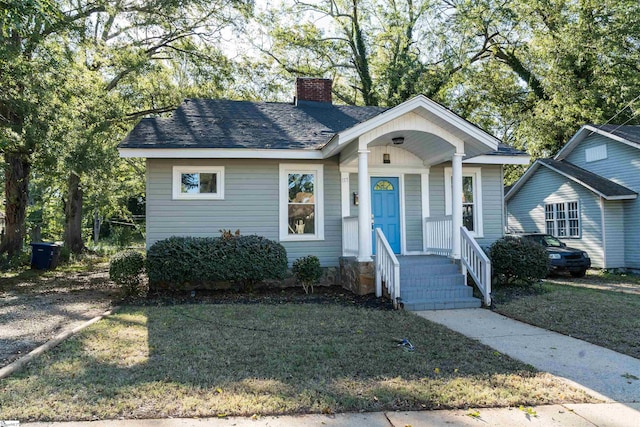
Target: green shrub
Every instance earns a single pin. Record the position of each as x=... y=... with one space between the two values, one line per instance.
x=308 y=271
x=126 y=270
x=515 y=259
x=191 y=262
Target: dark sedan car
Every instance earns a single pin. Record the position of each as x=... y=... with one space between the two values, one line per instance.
x=562 y=257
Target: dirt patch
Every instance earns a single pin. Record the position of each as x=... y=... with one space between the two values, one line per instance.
x=37 y=306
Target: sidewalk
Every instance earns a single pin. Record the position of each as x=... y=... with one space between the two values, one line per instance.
x=601 y=415
x=604 y=373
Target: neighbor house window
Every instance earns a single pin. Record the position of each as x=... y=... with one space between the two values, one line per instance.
x=471 y=198
x=198 y=182
x=562 y=219
x=301 y=202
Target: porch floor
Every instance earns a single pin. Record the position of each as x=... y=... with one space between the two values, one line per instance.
x=431 y=282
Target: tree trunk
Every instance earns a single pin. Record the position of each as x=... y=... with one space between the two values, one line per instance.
x=97 y=222
x=73 y=215
x=16 y=182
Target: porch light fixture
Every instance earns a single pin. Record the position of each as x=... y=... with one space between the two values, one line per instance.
x=386 y=158
x=355 y=199
x=398 y=140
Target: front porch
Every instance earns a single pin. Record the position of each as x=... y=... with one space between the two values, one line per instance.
x=412 y=194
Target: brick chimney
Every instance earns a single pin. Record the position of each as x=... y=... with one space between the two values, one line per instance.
x=313 y=89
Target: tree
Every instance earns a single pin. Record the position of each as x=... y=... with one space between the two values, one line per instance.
x=124 y=46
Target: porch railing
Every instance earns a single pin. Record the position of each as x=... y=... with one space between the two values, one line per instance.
x=350 y=236
x=475 y=262
x=387 y=268
x=438 y=235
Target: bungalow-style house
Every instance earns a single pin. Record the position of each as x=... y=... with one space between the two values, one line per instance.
x=379 y=195
x=587 y=196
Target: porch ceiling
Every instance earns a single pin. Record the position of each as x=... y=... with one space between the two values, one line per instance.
x=431 y=148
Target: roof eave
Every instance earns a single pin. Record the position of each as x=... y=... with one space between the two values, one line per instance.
x=220 y=153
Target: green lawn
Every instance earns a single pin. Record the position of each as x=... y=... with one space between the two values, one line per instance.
x=245 y=359
x=603 y=317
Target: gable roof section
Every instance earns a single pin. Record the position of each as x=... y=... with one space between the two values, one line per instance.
x=209 y=123
x=603 y=187
x=431 y=110
x=628 y=134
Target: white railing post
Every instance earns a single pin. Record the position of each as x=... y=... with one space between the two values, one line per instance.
x=476 y=263
x=387 y=268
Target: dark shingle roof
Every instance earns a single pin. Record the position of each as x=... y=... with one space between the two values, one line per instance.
x=209 y=123
x=628 y=132
x=606 y=187
x=507 y=150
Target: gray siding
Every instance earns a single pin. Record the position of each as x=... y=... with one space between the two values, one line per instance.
x=492 y=193
x=622 y=165
x=525 y=210
x=436 y=191
x=413 y=212
x=614 y=234
x=492 y=196
x=250 y=204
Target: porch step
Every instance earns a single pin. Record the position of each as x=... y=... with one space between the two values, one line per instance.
x=433 y=283
x=442 y=304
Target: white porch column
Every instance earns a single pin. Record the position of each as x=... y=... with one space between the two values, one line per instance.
x=364 y=208
x=456 y=203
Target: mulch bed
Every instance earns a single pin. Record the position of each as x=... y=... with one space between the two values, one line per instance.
x=266 y=295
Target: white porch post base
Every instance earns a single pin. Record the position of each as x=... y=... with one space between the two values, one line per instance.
x=456 y=204
x=364 y=208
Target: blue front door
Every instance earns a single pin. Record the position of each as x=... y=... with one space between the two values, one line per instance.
x=385 y=207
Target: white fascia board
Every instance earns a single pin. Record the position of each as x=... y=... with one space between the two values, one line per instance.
x=524 y=178
x=498 y=160
x=588 y=187
x=219 y=153
x=583 y=133
x=413 y=104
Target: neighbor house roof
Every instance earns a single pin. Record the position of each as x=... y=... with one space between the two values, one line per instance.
x=626 y=134
x=217 y=123
x=603 y=187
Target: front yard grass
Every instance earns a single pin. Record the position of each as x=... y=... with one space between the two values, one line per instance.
x=197 y=360
x=580 y=308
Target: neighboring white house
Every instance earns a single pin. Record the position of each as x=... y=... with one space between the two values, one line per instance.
x=312 y=175
x=587 y=196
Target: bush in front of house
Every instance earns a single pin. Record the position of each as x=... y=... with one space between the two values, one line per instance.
x=517 y=260
x=192 y=262
x=126 y=270
x=308 y=271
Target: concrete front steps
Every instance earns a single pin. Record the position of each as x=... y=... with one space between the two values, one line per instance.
x=429 y=282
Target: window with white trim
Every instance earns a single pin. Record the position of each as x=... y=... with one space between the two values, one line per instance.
x=562 y=219
x=198 y=182
x=471 y=198
x=301 y=202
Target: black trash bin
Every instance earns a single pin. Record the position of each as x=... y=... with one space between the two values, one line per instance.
x=44 y=256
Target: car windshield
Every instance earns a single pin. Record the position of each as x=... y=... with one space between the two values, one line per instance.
x=546 y=240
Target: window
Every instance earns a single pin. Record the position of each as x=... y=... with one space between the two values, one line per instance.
x=301 y=202
x=562 y=219
x=595 y=153
x=471 y=198
x=198 y=182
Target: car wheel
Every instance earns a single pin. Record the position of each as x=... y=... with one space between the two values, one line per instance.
x=580 y=273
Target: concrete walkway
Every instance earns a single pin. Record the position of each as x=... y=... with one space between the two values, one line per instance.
x=604 y=373
x=601 y=415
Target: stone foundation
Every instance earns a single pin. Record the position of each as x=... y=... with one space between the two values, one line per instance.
x=357 y=277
